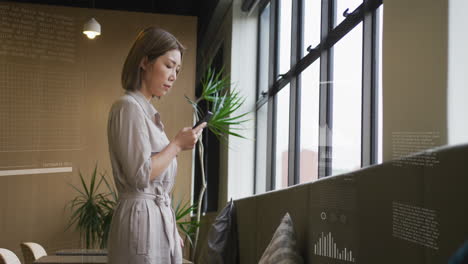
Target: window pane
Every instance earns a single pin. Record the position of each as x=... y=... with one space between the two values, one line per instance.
x=311 y=24
x=380 y=91
x=264 y=40
x=342 y=5
x=285 y=36
x=282 y=138
x=309 y=123
x=261 y=149
x=347 y=99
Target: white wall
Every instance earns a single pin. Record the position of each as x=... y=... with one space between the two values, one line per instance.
x=457 y=73
x=241 y=156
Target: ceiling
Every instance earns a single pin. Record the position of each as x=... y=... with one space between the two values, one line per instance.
x=178 y=7
x=202 y=9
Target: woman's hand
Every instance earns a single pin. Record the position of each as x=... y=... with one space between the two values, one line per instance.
x=185 y=140
x=188 y=137
x=181 y=242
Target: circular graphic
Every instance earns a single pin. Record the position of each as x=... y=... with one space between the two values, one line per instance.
x=323 y=216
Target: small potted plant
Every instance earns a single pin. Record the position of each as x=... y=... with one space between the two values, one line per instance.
x=92 y=210
x=223 y=101
x=186 y=226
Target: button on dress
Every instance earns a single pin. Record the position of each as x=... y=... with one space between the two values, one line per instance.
x=143 y=228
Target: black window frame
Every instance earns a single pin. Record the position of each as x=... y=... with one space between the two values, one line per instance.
x=367 y=13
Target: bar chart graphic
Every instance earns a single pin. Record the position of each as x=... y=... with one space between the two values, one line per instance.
x=326 y=247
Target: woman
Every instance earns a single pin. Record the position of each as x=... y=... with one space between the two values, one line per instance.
x=144 y=165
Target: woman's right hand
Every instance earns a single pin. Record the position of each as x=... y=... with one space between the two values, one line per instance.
x=188 y=137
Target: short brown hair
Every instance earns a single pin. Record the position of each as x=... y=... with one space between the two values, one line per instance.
x=151 y=42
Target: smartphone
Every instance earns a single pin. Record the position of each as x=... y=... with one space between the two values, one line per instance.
x=204 y=119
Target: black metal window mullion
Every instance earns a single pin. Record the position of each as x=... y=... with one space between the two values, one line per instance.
x=294 y=101
x=369 y=90
x=298 y=117
x=272 y=73
x=326 y=92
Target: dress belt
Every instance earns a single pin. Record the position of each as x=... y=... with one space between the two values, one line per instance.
x=161 y=201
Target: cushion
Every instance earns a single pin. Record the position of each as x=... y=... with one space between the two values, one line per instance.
x=283 y=246
x=221 y=246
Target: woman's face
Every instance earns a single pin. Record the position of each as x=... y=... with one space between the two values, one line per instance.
x=159 y=76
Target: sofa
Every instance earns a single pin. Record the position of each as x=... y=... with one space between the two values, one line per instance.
x=411 y=210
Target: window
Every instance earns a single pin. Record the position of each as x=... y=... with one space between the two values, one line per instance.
x=311 y=25
x=309 y=123
x=282 y=138
x=261 y=144
x=284 y=36
x=380 y=108
x=343 y=6
x=263 y=49
x=282 y=106
x=318 y=82
x=309 y=83
x=262 y=112
x=347 y=103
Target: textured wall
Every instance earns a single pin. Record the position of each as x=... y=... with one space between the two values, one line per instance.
x=56 y=88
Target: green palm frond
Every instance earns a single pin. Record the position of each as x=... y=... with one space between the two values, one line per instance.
x=188 y=228
x=92 y=211
x=223 y=102
x=213 y=84
x=110 y=188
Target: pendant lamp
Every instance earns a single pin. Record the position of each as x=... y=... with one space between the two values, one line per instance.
x=92 y=28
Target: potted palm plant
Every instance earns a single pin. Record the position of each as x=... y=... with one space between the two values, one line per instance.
x=224 y=102
x=186 y=226
x=92 y=210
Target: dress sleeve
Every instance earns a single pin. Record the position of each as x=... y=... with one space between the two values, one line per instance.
x=131 y=144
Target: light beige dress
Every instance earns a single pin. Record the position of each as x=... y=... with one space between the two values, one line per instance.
x=143 y=228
